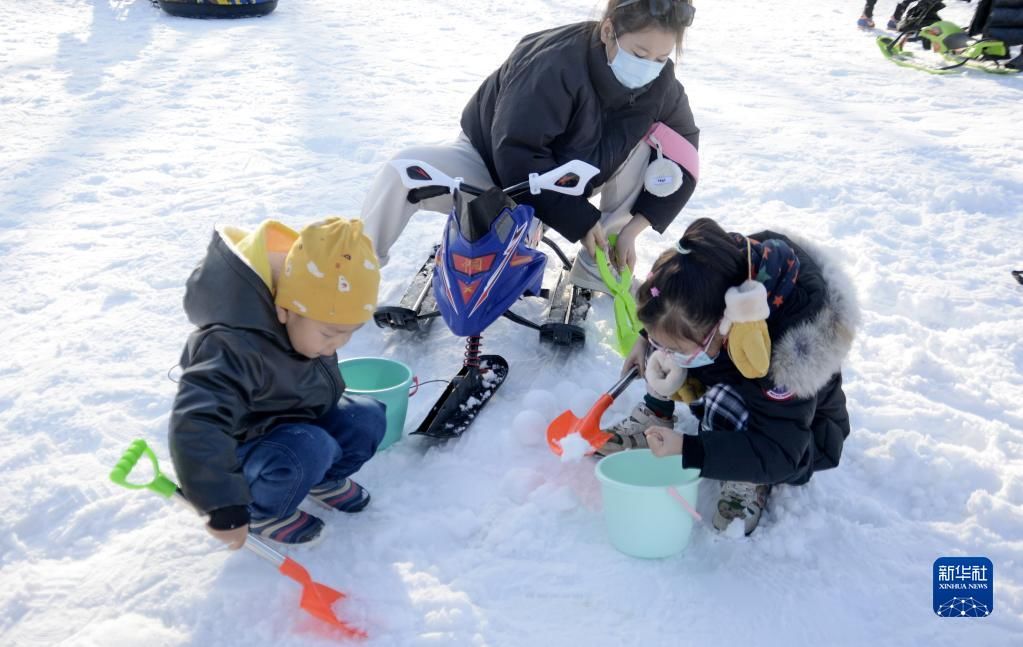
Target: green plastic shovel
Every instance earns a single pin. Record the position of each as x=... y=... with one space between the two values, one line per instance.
x=619 y=284
x=317 y=599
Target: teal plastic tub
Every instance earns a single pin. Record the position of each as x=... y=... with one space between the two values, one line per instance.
x=386 y=380
x=644 y=518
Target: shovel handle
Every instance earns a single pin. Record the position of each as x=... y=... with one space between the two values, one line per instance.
x=624 y=383
x=168 y=489
x=136 y=450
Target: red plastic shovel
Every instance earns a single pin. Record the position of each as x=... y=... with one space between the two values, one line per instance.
x=589 y=425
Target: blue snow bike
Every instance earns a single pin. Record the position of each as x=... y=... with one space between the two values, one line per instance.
x=487 y=259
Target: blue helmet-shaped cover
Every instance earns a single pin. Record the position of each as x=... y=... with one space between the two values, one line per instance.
x=486 y=261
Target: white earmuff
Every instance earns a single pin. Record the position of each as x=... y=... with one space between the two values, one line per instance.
x=663 y=176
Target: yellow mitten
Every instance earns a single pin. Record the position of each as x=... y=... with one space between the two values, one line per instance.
x=693 y=389
x=745 y=323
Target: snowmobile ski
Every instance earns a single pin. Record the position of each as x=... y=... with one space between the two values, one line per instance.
x=948 y=44
x=985 y=65
x=417 y=309
x=464 y=398
x=567 y=307
x=896 y=54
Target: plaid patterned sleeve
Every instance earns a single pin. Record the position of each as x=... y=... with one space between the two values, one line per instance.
x=721 y=409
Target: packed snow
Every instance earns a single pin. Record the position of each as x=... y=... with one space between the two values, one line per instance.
x=126 y=134
x=574 y=447
x=735 y=530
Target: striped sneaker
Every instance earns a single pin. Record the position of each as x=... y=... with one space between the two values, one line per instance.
x=297 y=528
x=344 y=496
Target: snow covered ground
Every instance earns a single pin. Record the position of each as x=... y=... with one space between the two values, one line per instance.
x=126 y=134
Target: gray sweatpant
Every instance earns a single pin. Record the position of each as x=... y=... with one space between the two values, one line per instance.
x=386 y=211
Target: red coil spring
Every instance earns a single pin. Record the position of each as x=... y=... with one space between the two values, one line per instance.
x=472 y=351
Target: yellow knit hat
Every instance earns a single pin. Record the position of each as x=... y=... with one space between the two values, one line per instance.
x=331 y=273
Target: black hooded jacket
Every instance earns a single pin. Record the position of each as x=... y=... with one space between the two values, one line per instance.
x=241 y=377
x=798 y=420
x=1002 y=19
x=556 y=99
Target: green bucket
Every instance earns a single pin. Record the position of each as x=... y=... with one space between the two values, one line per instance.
x=386 y=380
x=648 y=502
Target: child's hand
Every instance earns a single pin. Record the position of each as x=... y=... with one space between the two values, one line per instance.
x=664 y=441
x=234 y=538
x=636 y=358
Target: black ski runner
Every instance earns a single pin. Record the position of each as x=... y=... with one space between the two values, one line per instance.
x=464 y=398
x=417 y=308
x=566 y=311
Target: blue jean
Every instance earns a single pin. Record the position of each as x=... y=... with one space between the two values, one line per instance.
x=282 y=466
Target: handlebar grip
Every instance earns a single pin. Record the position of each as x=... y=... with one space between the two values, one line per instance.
x=119 y=475
x=126 y=464
x=417 y=195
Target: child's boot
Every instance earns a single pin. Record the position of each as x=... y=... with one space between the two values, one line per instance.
x=297 y=528
x=893 y=24
x=629 y=433
x=744 y=501
x=865 y=22
x=344 y=496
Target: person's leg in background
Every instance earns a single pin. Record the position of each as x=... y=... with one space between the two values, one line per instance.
x=386 y=209
x=617 y=197
x=619 y=193
x=866 y=20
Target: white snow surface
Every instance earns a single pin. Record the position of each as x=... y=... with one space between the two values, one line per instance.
x=126 y=134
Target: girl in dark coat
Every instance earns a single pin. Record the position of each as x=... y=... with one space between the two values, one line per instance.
x=588 y=91
x=751 y=332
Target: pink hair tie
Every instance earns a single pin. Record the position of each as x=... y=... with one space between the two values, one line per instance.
x=654 y=292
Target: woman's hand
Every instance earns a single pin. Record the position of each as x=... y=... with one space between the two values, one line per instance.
x=625 y=246
x=664 y=441
x=595 y=238
x=636 y=357
x=234 y=538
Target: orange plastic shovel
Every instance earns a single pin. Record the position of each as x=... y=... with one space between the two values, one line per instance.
x=589 y=425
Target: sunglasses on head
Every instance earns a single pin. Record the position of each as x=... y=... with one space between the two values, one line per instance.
x=661 y=7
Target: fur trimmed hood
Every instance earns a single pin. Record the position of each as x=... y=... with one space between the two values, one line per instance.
x=808 y=354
